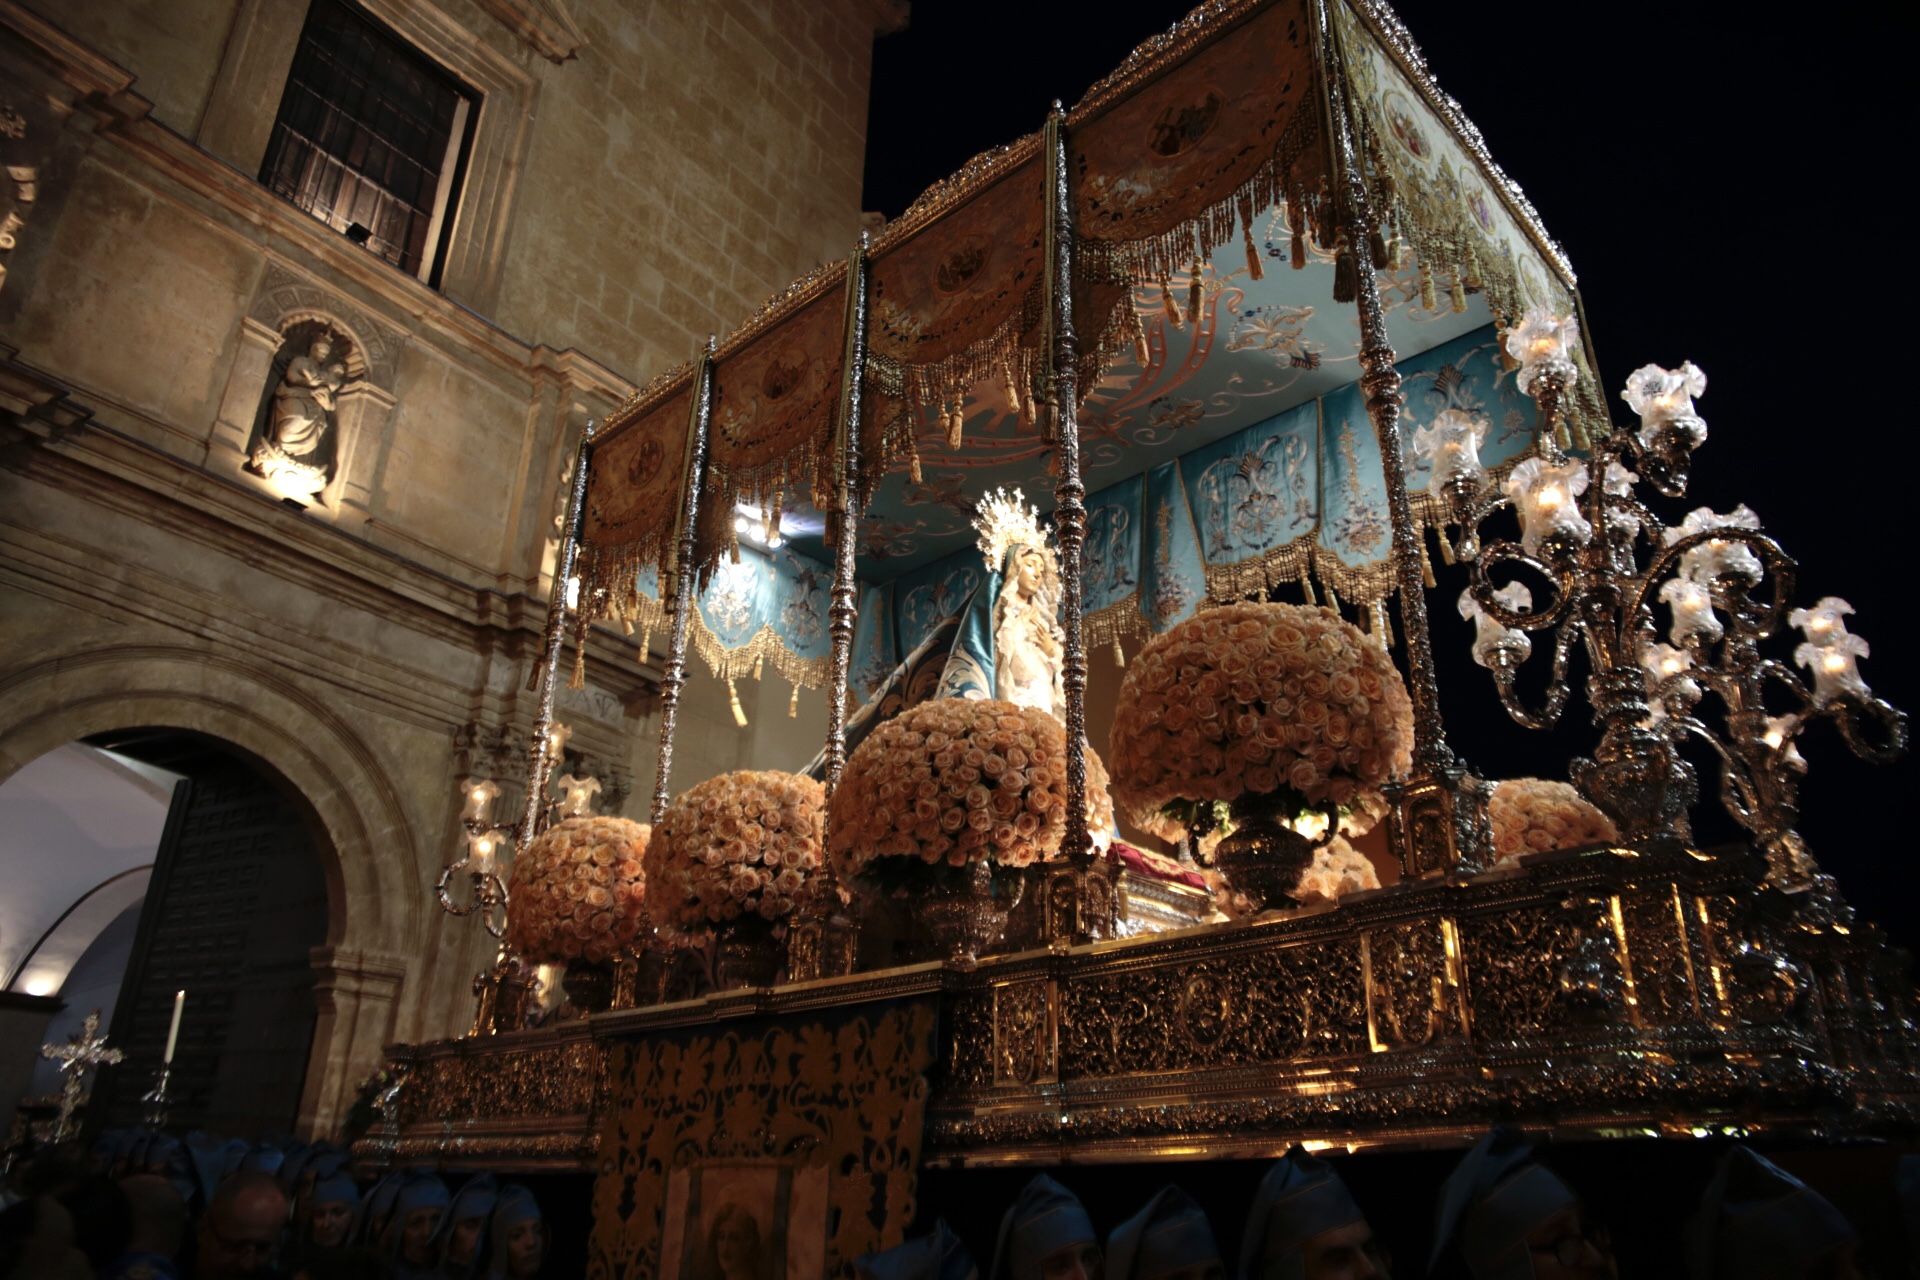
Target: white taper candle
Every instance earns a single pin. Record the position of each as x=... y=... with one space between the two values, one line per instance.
x=173 y=1032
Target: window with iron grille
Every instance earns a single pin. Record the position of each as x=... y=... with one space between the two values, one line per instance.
x=371 y=138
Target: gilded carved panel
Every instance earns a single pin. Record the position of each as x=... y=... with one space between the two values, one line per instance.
x=522 y=1083
x=846 y=1095
x=1293 y=1003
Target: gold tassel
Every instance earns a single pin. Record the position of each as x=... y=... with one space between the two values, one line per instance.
x=1306 y=587
x=759 y=665
x=1254 y=269
x=770 y=527
x=1142 y=353
x=1382 y=624
x=1333 y=601
x=793 y=704
x=1457 y=295
x=1168 y=305
x=1194 y=290
x=1428 y=302
x=1446 y=545
x=913 y=458
x=733 y=701
x=1296 y=233
x=1029 y=410
x=1396 y=254
x=1426 y=565
x=646 y=642
x=1377 y=247
x=578 y=680
x=956 y=426
x=1013 y=394
x=1119 y=654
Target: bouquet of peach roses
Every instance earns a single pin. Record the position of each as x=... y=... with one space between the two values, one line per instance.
x=953 y=782
x=1532 y=815
x=578 y=891
x=739 y=847
x=1264 y=700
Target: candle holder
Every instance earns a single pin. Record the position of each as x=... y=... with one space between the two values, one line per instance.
x=1600 y=560
x=155 y=1102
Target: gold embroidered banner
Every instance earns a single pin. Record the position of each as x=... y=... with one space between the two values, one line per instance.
x=1206 y=125
x=634 y=488
x=776 y=390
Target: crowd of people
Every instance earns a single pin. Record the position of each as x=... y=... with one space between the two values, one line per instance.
x=1503 y=1214
x=141 y=1205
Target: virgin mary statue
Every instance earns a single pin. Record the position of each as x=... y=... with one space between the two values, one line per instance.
x=1004 y=642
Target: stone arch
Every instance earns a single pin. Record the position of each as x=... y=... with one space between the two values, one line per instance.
x=367 y=847
x=255 y=708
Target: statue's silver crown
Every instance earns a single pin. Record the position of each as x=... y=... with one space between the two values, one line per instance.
x=1004 y=520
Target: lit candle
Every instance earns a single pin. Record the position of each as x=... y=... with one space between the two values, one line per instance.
x=173 y=1032
x=573 y=592
x=480 y=851
x=1664 y=398
x=579 y=792
x=1541 y=343
x=1493 y=643
x=1451 y=445
x=480 y=795
x=1543 y=493
x=1693 y=614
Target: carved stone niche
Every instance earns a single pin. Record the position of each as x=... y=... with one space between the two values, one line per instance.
x=302 y=423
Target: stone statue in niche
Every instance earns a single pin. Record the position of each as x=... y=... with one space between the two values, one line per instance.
x=294 y=438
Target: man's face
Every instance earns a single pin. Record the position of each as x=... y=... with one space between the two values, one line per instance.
x=331 y=1222
x=1075 y=1262
x=464 y=1240
x=1566 y=1248
x=416 y=1235
x=1345 y=1253
x=237 y=1236
x=525 y=1249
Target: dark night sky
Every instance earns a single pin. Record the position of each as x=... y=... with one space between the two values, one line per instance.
x=1722 y=183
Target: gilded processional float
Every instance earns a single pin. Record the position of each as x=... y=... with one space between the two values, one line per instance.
x=953 y=938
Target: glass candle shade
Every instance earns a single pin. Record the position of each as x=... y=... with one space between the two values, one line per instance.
x=1547 y=497
x=1718 y=558
x=1450 y=445
x=1664 y=399
x=577 y=793
x=1835 y=667
x=1693 y=616
x=1543 y=343
x=1492 y=642
x=478 y=795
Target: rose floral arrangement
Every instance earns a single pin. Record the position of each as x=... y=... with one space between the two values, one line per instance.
x=956 y=781
x=578 y=891
x=1337 y=870
x=1532 y=815
x=738 y=847
x=1260 y=699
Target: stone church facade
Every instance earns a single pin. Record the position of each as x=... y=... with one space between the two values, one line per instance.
x=259 y=482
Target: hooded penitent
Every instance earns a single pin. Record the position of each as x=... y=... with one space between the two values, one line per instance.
x=1494 y=1199
x=1759 y=1222
x=379 y=1208
x=515 y=1206
x=465 y=1228
x=1043 y=1219
x=1300 y=1198
x=1172 y=1232
x=939 y=1256
x=336 y=1188
x=420 y=1192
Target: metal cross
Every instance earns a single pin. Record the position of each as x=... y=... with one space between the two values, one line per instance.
x=82 y=1051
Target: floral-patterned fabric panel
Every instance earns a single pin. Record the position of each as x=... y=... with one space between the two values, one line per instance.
x=1110 y=562
x=1465 y=374
x=1256 y=490
x=874 y=653
x=1173 y=577
x=932 y=593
